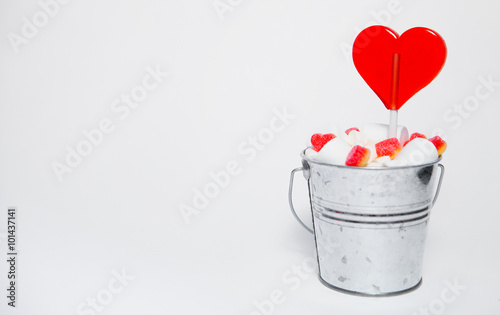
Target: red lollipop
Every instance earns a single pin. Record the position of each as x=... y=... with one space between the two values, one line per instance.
x=396 y=67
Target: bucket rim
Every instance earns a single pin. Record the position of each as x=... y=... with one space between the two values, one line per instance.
x=309 y=160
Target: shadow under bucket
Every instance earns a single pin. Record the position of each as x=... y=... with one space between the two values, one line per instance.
x=370 y=224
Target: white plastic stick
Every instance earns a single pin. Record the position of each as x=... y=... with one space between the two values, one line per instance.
x=393 y=124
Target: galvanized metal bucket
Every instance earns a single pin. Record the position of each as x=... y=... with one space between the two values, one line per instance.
x=370 y=224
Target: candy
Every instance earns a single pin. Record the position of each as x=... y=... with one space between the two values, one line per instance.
x=389 y=147
x=351 y=129
x=403 y=134
x=380 y=162
x=439 y=143
x=396 y=67
x=310 y=153
x=335 y=151
x=373 y=154
x=355 y=138
x=413 y=136
x=378 y=132
x=418 y=151
x=358 y=156
x=318 y=140
x=356 y=148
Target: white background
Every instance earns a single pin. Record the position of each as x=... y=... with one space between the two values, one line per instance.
x=118 y=210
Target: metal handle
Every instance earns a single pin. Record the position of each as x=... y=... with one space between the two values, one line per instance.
x=439 y=185
x=290 y=189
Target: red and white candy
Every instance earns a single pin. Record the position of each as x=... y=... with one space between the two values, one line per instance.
x=318 y=140
x=389 y=147
x=356 y=148
x=439 y=143
x=358 y=156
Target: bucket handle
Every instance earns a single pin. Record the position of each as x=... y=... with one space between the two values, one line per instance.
x=439 y=185
x=290 y=189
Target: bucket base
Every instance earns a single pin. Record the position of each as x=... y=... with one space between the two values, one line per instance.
x=328 y=285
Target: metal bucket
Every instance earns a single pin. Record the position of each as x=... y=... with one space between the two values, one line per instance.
x=370 y=224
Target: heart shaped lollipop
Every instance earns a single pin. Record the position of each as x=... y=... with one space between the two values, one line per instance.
x=421 y=53
x=396 y=67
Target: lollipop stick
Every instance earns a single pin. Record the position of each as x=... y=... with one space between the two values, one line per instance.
x=393 y=119
x=393 y=123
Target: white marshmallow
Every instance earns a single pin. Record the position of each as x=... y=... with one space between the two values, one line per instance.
x=373 y=153
x=381 y=161
x=355 y=138
x=417 y=151
x=334 y=151
x=404 y=135
x=310 y=153
x=378 y=132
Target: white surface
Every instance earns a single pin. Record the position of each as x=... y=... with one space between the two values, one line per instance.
x=120 y=207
